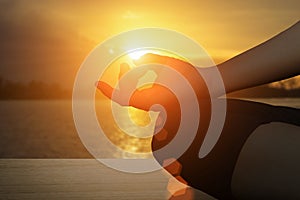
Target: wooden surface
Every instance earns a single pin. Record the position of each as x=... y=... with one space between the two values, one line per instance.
x=270 y=173
x=268 y=168
x=78 y=179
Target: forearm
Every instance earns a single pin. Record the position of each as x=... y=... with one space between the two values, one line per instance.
x=273 y=60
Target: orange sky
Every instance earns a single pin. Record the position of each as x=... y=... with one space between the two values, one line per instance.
x=48 y=40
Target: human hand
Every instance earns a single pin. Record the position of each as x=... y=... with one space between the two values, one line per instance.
x=145 y=98
x=127 y=94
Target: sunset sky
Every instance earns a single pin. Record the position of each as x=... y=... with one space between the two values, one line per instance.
x=48 y=40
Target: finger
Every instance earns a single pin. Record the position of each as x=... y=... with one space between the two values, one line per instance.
x=150 y=58
x=144 y=99
x=133 y=78
x=113 y=94
x=184 y=68
x=140 y=100
x=124 y=68
x=159 y=59
x=105 y=88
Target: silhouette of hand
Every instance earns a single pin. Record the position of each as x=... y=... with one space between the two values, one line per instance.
x=129 y=95
x=169 y=118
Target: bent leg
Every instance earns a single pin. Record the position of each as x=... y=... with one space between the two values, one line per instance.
x=213 y=173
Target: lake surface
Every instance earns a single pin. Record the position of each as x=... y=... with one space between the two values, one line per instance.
x=45 y=129
x=43 y=157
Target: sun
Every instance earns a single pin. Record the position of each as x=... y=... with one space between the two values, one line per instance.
x=137 y=54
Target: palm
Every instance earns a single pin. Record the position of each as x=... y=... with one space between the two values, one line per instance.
x=157 y=94
x=129 y=95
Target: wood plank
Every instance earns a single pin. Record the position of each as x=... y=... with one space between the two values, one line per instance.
x=78 y=179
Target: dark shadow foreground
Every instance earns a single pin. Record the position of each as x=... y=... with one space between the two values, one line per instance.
x=213 y=173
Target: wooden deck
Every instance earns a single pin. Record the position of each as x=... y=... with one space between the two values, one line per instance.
x=268 y=168
x=77 y=179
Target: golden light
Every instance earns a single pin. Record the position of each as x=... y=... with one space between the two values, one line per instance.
x=137 y=54
x=131 y=140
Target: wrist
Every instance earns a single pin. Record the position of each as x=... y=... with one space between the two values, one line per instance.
x=213 y=80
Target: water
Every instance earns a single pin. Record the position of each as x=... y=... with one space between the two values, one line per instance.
x=290 y=102
x=268 y=165
x=45 y=129
x=39 y=129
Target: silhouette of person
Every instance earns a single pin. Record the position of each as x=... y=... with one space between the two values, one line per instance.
x=273 y=60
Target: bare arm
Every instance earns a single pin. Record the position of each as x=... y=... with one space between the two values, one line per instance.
x=273 y=60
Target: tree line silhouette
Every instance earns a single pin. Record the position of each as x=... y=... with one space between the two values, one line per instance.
x=32 y=90
x=41 y=90
x=266 y=91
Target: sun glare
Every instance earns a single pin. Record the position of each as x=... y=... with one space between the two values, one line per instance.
x=137 y=54
x=130 y=139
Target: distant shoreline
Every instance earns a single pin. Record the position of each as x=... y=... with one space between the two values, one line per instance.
x=39 y=90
